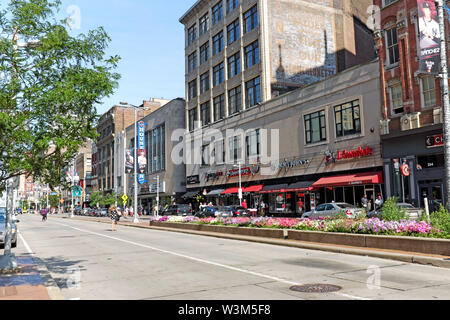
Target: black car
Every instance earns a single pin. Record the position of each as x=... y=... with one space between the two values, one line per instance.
x=207 y=212
x=239 y=211
x=177 y=210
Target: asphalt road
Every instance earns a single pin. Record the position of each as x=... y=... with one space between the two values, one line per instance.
x=90 y=262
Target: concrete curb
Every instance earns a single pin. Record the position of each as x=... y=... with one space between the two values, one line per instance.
x=54 y=292
x=373 y=252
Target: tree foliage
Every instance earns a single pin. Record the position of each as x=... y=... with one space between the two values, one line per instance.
x=48 y=89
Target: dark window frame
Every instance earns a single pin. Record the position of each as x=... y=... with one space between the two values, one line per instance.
x=356 y=121
x=309 y=130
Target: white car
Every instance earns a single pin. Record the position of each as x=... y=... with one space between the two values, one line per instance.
x=333 y=210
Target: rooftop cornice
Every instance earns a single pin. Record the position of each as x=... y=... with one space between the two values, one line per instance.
x=196 y=8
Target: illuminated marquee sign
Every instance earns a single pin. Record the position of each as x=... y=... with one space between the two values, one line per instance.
x=435 y=141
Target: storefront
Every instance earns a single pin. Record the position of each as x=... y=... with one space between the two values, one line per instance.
x=414 y=166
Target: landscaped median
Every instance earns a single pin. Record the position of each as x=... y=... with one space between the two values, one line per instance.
x=405 y=235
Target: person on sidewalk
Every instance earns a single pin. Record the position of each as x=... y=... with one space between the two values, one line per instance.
x=115 y=217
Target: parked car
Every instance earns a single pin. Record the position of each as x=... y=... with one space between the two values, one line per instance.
x=333 y=210
x=3 y=230
x=411 y=211
x=239 y=211
x=102 y=212
x=207 y=212
x=224 y=212
x=177 y=210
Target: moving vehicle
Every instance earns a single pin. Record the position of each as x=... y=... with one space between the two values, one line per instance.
x=333 y=210
x=177 y=210
x=207 y=212
x=411 y=211
x=3 y=229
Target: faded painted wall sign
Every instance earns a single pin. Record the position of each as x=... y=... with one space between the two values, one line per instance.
x=302 y=42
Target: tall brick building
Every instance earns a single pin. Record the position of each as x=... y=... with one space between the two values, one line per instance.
x=411 y=106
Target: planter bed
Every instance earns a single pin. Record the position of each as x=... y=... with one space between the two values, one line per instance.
x=403 y=243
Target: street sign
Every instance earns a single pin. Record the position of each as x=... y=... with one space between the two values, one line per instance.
x=124 y=198
x=77 y=192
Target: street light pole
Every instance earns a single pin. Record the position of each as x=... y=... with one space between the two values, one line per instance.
x=445 y=98
x=136 y=220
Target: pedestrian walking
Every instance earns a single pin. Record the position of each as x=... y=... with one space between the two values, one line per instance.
x=115 y=217
x=263 y=208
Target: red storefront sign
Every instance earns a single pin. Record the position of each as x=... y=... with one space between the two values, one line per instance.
x=435 y=141
x=359 y=153
x=235 y=172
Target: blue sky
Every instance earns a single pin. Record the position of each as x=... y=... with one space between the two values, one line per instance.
x=148 y=37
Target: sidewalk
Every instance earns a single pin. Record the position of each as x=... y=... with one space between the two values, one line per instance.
x=27 y=284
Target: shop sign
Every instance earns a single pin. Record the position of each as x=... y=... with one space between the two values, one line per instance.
x=193 y=179
x=290 y=164
x=353 y=154
x=213 y=176
x=244 y=172
x=405 y=170
x=435 y=141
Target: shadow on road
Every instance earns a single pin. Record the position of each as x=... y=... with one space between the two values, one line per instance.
x=61 y=269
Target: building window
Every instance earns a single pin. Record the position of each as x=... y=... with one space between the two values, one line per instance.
x=205 y=113
x=234 y=65
x=206 y=156
x=218 y=43
x=251 y=19
x=192 y=61
x=253 y=144
x=192 y=89
x=204 y=82
x=315 y=127
x=219 y=152
x=231 y=5
x=397 y=100
x=219 y=74
x=429 y=91
x=253 y=92
x=192 y=118
x=192 y=34
x=388 y=2
x=235 y=148
x=219 y=107
x=251 y=54
x=233 y=32
x=234 y=100
x=157 y=149
x=392 y=46
x=203 y=24
x=217 y=12
x=204 y=53
x=348 y=119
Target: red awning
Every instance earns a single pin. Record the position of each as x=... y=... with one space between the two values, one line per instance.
x=350 y=180
x=256 y=188
x=231 y=190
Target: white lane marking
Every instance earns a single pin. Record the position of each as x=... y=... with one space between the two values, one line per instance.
x=26 y=244
x=206 y=261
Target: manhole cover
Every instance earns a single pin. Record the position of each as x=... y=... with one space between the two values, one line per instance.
x=316 y=288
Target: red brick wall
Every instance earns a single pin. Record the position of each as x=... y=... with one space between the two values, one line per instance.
x=404 y=10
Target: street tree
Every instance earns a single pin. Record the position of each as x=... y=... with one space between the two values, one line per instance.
x=50 y=82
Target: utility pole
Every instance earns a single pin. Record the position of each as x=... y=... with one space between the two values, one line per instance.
x=445 y=98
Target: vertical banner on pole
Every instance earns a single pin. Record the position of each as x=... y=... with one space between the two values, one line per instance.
x=430 y=37
x=129 y=161
x=142 y=159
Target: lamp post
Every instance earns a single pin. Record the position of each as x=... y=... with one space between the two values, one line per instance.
x=127 y=105
x=240 y=182
x=157 y=195
x=445 y=97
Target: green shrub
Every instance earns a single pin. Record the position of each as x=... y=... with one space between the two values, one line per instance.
x=392 y=212
x=441 y=219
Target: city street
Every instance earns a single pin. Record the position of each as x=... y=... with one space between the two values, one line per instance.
x=88 y=261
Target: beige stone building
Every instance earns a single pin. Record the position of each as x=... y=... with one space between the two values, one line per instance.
x=240 y=53
x=326 y=147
